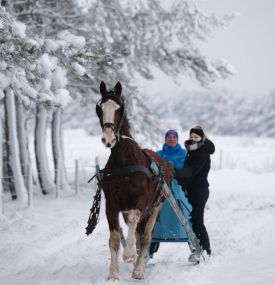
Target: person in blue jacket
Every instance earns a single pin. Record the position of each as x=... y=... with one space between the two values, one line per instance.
x=172 y=151
x=167 y=227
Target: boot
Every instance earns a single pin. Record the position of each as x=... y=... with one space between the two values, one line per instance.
x=194 y=258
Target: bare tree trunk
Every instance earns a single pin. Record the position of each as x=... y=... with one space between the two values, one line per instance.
x=17 y=186
x=3 y=3
x=44 y=176
x=22 y=132
x=58 y=147
x=8 y=186
x=1 y=168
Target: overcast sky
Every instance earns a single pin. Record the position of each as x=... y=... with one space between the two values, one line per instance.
x=248 y=44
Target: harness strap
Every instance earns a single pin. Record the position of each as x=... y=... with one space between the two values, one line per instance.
x=156 y=200
x=128 y=170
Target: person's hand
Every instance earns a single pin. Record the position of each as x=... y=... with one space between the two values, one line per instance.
x=169 y=171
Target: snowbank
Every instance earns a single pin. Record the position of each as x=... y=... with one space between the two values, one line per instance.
x=47 y=245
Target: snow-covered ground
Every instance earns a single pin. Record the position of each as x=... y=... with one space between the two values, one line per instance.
x=48 y=245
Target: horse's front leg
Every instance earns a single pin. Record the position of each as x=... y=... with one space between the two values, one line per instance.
x=145 y=239
x=130 y=250
x=114 y=243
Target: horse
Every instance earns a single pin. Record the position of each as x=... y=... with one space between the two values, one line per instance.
x=128 y=184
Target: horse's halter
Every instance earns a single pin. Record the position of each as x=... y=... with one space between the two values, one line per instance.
x=113 y=126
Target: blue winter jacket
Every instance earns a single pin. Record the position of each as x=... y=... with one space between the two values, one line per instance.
x=167 y=227
x=176 y=154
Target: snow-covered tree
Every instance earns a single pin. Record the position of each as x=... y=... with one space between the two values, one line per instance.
x=17 y=52
x=142 y=33
x=62 y=98
x=109 y=40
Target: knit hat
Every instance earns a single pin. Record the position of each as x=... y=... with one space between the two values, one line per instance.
x=171 y=132
x=198 y=132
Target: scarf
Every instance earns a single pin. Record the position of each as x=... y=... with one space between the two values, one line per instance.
x=191 y=145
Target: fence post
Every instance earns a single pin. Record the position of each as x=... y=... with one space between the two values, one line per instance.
x=1 y=171
x=29 y=186
x=1 y=198
x=76 y=177
x=57 y=178
x=96 y=163
x=221 y=158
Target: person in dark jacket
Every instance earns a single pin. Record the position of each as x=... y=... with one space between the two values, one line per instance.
x=193 y=176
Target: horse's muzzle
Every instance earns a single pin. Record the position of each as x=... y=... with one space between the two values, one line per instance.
x=108 y=139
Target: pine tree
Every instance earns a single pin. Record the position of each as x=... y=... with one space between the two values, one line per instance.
x=17 y=53
x=129 y=38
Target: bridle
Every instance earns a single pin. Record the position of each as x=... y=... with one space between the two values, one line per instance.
x=115 y=127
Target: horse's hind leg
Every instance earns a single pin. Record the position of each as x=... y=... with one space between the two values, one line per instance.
x=114 y=243
x=145 y=239
x=130 y=251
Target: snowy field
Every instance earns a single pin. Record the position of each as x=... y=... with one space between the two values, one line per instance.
x=47 y=244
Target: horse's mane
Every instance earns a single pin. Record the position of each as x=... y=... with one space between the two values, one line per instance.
x=125 y=126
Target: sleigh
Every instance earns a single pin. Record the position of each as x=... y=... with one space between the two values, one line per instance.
x=175 y=211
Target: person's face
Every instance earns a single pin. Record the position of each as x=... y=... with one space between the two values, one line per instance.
x=194 y=137
x=171 y=140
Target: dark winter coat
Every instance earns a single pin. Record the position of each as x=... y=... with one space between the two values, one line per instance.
x=196 y=167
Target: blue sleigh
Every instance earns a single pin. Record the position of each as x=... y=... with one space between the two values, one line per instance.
x=168 y=227
x=173 y=223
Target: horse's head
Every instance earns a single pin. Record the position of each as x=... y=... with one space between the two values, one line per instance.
x=110 y=111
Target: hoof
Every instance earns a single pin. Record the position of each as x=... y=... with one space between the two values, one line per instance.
x=129 y=259
x=113 y=278
x=138 y=275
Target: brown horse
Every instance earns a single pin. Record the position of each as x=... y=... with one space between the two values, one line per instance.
x=128 y=184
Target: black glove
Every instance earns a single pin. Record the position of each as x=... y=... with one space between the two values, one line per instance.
x=184 y=173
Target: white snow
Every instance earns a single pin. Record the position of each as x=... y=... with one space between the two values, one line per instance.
x=47 y=244
x=4 y=81
x=76 y=41
x=47 y=64
x=62 y=97
x=52 y=45
x=80 y=70
x=3 y=65
x=19 y=29
x=59 y=77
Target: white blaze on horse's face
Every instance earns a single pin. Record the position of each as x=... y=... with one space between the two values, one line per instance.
x=108 y=109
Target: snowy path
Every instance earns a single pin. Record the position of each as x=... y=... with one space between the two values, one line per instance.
x=47 y=245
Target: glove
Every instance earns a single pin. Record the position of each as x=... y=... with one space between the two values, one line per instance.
x=184 y=173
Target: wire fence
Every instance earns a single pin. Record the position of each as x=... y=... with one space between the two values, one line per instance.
x=75 y=177
x=70 y=179
x=249 y=160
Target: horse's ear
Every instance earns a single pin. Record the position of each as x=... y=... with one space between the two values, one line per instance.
x=102 y=88
x=118 y=88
